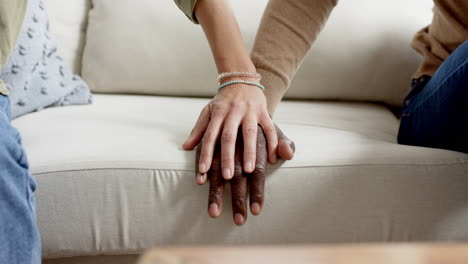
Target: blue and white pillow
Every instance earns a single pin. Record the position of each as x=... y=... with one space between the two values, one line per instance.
x=35 y=74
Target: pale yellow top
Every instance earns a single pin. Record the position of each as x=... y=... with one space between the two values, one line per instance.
x=11 y=18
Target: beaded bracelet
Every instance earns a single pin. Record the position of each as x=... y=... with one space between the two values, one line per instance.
x=225 y=75
x=243 y=82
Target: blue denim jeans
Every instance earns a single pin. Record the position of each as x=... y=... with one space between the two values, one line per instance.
x=19 y=236
x=435 y=112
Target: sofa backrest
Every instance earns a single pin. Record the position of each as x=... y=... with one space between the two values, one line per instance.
x=362 y=54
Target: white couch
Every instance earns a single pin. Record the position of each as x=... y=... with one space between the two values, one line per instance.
x=114 y=181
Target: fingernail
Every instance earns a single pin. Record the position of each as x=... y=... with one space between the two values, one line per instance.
x=255 y=208
x=239 y=219
x=227 y=173
x=201 y=178
x=214 y=210
x=204 y=177
x=202 y=168
x=250 y=167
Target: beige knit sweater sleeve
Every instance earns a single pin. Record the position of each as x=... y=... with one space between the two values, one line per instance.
x=448 y=30
x=287 y=31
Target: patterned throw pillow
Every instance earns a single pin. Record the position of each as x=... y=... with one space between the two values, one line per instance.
x=35 y=74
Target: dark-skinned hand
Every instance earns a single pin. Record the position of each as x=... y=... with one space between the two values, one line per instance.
x=242 y=182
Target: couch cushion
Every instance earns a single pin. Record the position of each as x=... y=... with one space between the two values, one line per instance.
x=363 y=53
x=113 y=179
x=68 y=23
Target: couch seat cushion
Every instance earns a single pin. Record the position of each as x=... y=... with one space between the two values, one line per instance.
x=113 y=179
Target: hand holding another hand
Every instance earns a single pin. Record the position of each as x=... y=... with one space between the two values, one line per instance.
x=235 y=137
x=234 y=106
x=242 y=184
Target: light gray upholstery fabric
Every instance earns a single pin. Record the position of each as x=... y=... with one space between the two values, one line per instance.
x=113 y=179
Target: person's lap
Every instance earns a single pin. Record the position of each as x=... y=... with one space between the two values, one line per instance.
x=19 y=237
x=435 y=113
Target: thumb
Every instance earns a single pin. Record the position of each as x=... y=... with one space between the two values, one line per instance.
x=286 y=147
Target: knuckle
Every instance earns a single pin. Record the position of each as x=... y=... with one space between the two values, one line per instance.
x=236 y=105
x=260 y=169
x=209 y=136
x=217 y=114
x=227 y=137
x=239 y=180
x=226 y=159
x=238 y=202
x=215 y=193
x=250 y=131
x=261 y=142
x=238 y=183
x=270 y=129
x=250 y=104
x=216 y=106
x=237 y=171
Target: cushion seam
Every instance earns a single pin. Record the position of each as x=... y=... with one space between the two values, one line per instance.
x=269 y=169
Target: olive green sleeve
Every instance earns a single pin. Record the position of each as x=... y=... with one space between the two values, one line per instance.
x=188 y=7
x=11 y=19
x=12 y=14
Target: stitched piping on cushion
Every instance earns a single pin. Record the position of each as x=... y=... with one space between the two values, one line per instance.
x=270 y=169
x=340 y=129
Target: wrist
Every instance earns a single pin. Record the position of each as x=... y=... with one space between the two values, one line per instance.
x=237 y=62
x=276 y=86
x=241 y=82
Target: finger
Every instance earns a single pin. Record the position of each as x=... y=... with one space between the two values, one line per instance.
x=286 y=147
x=249 y=133
x=216 y=193
x=200 y=177
x=228 y=144
x=272 y=138
x=257 y=178
x=198 y=130
x=209 y=141
x=239 y=188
